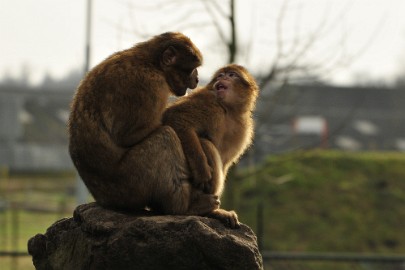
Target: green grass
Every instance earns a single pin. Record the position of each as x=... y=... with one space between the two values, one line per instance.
x=34 y=203
x=16 y=263
x=17 y=226
x=325 y=201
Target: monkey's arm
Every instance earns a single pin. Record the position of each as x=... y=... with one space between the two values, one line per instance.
x=135 y=115
x=126 y=134
x=195 y=156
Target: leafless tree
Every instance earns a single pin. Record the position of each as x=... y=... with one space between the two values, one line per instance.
x=272 y=42
x=291 y=51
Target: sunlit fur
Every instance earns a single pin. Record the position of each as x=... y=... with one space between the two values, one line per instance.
x=224 y=120
x=126 y=158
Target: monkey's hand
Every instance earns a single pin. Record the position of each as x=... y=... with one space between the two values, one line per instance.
x=202 y=175
x=229 y=218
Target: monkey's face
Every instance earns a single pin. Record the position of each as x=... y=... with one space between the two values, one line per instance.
x=224 y=85
x=180 y=79
x=179 y=65
x=233 y=85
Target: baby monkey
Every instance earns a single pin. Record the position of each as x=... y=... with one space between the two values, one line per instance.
x=215 y=127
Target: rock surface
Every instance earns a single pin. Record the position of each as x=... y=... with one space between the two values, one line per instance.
x=97 y=238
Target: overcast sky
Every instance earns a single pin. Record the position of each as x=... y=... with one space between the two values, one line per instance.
x=47 y=36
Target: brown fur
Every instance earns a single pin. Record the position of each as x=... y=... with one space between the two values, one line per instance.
x=223 y=118
x=126 y=158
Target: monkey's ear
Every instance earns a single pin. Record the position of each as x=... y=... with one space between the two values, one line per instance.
x=169 y=56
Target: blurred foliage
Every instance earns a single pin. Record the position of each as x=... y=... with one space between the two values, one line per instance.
x=324 y=201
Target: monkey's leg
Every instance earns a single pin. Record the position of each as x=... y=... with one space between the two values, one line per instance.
x=158 y=176
x=202 y=203
x=216 y=184
x=180 y=196
x=206 y=199
x=187 y=200
x=229 y=218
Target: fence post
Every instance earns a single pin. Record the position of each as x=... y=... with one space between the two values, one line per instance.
x=15 y=234
x=259 y=225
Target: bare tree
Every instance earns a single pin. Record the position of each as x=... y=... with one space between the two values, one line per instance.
x=291 y=51
x=273 y=44
x=231 y=43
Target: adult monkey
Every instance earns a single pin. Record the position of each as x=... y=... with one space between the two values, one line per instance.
x=126 y=158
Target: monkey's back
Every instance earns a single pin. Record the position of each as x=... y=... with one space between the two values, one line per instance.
x=230 y=132
x=107 y=117
x=199 y=111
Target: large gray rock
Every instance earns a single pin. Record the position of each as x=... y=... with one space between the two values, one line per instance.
x=97 y=238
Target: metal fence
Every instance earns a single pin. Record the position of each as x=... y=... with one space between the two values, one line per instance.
x=331 y=261
x=291 y=261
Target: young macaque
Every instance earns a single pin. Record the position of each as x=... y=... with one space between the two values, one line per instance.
x=215 y=127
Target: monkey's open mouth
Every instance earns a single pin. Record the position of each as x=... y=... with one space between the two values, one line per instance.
x=221 y=87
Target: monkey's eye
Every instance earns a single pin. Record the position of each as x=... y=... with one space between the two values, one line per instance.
x=221 y=75
x=229 y=74
x=232 y=74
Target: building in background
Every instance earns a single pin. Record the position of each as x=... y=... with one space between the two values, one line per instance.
x=353 y=119
x=33 y=123
x=33 y=131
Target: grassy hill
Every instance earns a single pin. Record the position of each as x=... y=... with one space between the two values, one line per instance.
x=324 y=201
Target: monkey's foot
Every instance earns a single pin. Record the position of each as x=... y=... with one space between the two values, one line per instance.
x=229 y=218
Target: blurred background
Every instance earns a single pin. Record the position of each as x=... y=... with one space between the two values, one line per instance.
x=323 y=186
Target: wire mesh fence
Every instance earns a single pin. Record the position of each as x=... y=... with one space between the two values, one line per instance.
x=272 y=261
x=331 y=261
x=29 y=206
